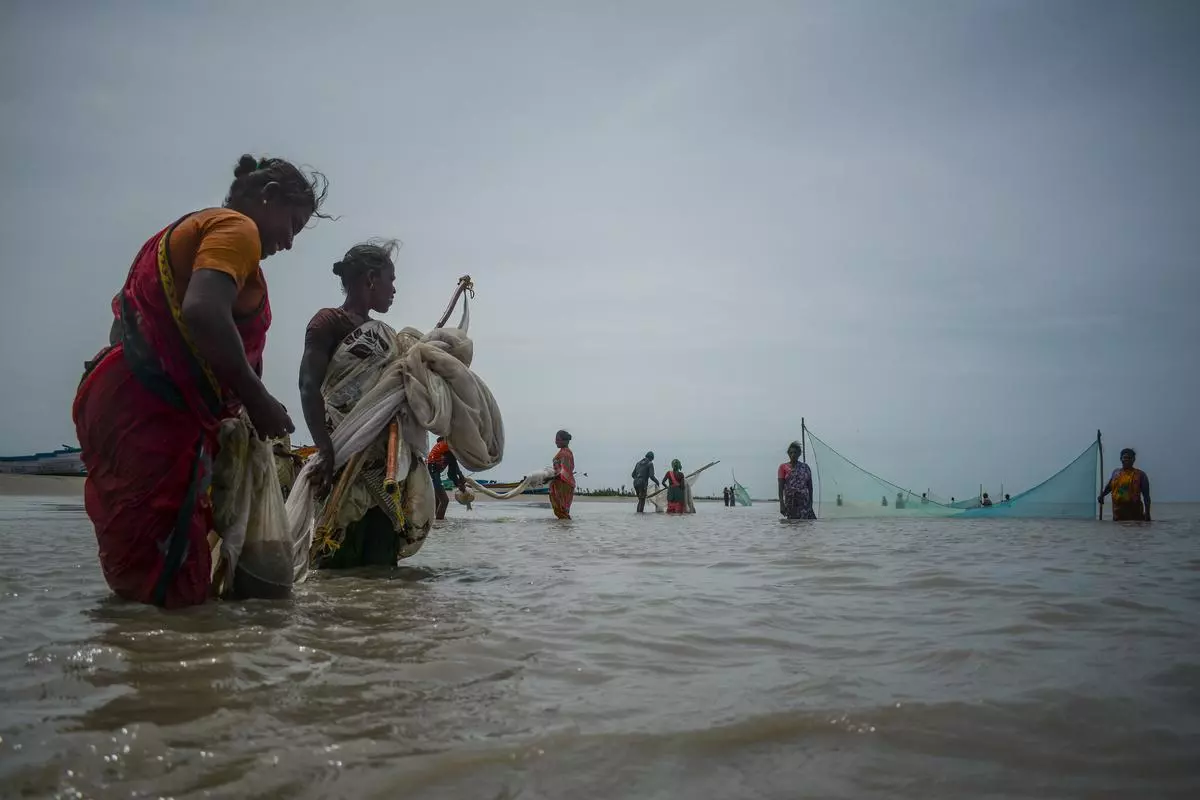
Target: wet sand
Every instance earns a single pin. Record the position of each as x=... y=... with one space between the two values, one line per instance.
x=40 y=486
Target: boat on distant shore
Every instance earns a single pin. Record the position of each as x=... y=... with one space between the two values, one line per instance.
x=64 y=461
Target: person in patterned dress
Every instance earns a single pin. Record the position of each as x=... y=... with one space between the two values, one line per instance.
x=796 y=486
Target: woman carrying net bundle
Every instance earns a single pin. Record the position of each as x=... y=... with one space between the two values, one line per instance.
x=345 y=352
x=796 y=486
x=185 y=353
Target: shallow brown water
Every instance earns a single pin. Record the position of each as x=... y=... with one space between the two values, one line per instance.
x=725 y=655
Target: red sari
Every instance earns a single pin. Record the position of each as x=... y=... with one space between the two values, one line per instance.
x=562 y=488
x=147 y=414
x=675 y=483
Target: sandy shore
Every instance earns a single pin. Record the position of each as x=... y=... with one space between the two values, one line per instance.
x=40 y=486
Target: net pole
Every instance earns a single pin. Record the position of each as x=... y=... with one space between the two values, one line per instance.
x=1100 y=504
x=803 y=436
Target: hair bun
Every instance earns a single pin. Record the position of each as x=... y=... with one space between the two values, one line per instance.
x=339 y=269
x=246 y=164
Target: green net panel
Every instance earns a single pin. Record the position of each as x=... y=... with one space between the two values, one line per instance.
x=741 y=493
x=843 y=489
x=1070 y=494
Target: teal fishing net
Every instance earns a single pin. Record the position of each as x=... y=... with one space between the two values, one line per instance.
x=843 y=489
x=1069 y=494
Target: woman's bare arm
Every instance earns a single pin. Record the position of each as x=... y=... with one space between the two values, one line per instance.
x=208 y=314
x=314 y=365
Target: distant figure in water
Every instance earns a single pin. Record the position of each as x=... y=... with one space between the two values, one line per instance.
x=1007 y=498
x=1129 y=487
x=676 y=481
x=440 y=458
x=884 y=501
x=899 y=500
x=924 y=499
x=987 y=501
x=795 y=486
x=725 y=492
x=839 y=499
x=643 y=473
x=562 y=486
x=951 y=501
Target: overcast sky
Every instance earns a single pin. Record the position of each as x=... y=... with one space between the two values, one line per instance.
x=957 y=237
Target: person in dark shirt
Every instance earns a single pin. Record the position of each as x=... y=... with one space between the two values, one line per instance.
x=643 y=473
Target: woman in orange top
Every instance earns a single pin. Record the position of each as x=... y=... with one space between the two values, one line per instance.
x=185 y=352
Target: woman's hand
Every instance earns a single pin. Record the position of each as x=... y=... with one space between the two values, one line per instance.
x=323 y=480
x=268 y=415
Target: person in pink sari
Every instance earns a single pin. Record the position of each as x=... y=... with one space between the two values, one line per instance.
x=562 y=488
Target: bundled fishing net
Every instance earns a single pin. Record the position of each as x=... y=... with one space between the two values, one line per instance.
x=464 y=497
x=534 y=480
x=256 y=553
x=422 y=382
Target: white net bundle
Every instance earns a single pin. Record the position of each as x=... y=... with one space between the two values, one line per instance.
x=428 y=386
x=248 y=512
x=534 y=480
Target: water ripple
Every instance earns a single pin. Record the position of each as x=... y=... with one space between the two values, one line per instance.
x=722 y=655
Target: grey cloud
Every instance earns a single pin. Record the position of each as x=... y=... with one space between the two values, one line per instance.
x=958 y=238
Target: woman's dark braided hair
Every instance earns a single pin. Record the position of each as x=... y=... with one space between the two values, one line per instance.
x=297 y=186
x=373 y=256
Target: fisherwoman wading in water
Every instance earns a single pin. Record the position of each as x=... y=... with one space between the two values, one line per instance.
x=796 y=487
x=345 y=352
x=185 y=352
x=1129 y=487
x=676 y=484
x=562 y=487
